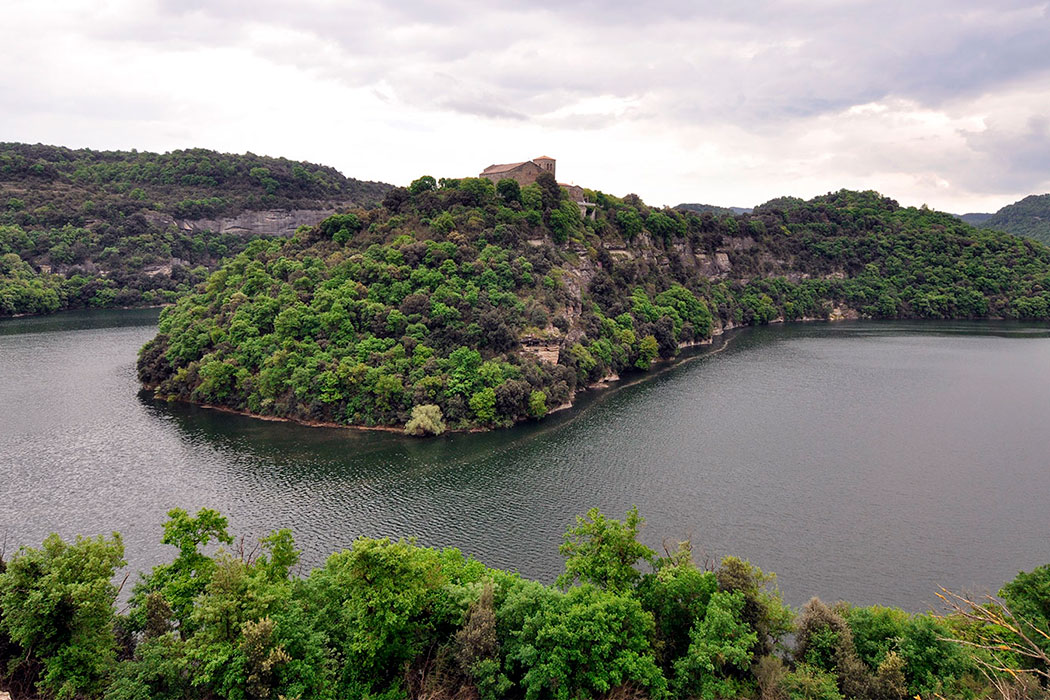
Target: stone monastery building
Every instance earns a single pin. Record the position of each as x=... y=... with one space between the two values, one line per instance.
x=525 y=173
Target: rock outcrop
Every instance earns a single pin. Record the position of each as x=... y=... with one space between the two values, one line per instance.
x=268 y=222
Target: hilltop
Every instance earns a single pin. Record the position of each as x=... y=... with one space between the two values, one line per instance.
x=465 y=305
x=975 y=218
x=1030 y=217
x=712 y=209
x=84 y=228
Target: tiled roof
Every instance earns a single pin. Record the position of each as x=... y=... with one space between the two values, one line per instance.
x=502 y=168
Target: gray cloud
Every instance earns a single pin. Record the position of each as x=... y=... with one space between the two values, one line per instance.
x=1012 y=159
x=734 y=80
x=753 y=62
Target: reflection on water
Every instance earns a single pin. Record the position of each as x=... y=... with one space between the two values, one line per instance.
x=867 y=461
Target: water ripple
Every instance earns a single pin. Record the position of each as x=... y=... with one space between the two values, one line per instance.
x=871 y=462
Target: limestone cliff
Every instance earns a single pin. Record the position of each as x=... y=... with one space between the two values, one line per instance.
x=267 y=222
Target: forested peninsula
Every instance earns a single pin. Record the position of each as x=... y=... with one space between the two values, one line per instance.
x=464 y=304
x=392 y=620
x=99 y=229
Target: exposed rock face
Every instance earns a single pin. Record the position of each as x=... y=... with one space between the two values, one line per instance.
x=163 y=269
x=715 y=266
x=546 y=353
x=843 y=314
x=269 y=222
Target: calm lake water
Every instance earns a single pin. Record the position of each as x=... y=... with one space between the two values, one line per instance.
x=865 y=461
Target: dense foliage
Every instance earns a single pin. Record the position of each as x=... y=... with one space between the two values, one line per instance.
x=389 y=619
x=82 y=228
x=712 y=209
x=976 y=218
x=1029 y=217
x=462 y=304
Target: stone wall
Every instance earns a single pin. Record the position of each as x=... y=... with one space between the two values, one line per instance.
x=575 y=192
x=524 y=174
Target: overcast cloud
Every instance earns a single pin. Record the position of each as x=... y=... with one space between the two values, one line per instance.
x=945 y=102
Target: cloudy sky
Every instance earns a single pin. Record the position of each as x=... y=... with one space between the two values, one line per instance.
x=944 y=102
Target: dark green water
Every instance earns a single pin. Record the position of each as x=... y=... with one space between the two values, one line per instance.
x=866 y=461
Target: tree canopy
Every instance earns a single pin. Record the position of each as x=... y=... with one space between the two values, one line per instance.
x=91 y=229
x=391 y=619
x=496 y=309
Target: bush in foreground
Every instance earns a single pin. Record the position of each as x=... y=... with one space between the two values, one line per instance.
x=390 y=619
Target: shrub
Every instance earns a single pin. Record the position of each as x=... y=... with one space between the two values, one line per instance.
x=426 y=420
x=537 y=404
x=809 y=683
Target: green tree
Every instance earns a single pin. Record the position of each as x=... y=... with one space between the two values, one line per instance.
x=532 y=197
x=676 y=594
x=664 y=226
x=57 y=604
x=932 y=663
x=537 y=404
x=483 y=403
x=463 y=374
x=509 y=190
x=1028 y=597
x=809 y=683
x=565 y=219
x=876 y=631
x=720 y=648
x=604 y=551
x=763 y=609
x=630 y=223
x=443 y=223
x=181 y=581
x=348 y=222
x=586 y=643
x=648 y=349
x=426 y=420
x=422 y=184
x=377 y=604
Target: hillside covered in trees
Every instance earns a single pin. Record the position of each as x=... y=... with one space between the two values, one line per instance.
x=91 y=229
x=464 y=304
x=713 y=209
x=393 y=620
x=461 y=304
x=975 y=219
x=1029 y=217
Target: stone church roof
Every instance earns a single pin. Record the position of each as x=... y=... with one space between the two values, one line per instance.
x=502 y=168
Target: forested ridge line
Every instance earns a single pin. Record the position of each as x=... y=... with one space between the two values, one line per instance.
x=96 y=229
x=1029 y=217
x=390 y=619
x=460 y=304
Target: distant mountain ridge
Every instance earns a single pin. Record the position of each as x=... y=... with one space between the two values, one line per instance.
x=975 y=219
x=1030 y=217
x=85 y=228
x=713 y=209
